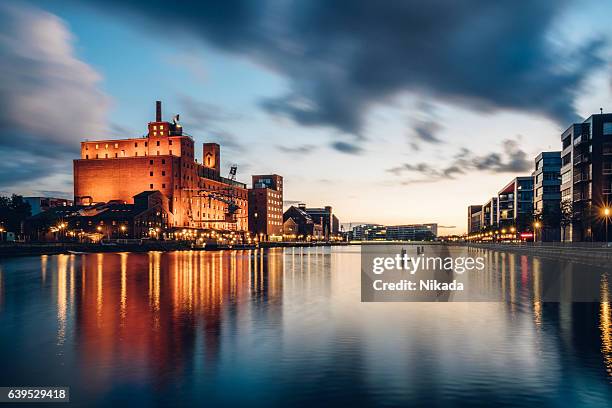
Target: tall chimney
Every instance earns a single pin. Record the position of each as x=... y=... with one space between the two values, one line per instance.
x=158 y=116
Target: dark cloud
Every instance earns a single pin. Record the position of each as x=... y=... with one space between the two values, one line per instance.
x=511 y=160
x=209 y=120
x=425 y=125
x=298 y=150
x=349 y=148
x=49 y=98
x=345 y=57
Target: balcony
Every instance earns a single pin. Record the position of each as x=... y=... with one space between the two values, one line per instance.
x=579 y=178
x=581 y=159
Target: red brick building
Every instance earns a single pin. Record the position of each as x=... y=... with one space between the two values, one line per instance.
x=266 y=207
x=163 y=160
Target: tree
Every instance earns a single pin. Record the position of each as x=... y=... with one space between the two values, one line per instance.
x=13 y=211
x=567 y=216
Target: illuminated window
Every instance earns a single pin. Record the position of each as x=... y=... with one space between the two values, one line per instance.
x=116 y=145
x=96 y=146
x=154 y=127
x=106 y=146
x=123 y=153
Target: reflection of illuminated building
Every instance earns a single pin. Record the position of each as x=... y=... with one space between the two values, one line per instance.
x=135 y=306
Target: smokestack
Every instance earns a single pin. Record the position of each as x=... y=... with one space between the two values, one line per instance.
x=158 y=116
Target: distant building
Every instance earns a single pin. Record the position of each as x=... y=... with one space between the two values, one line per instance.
x=586 y=178
x=547 y=196
x=369 y=232
x=473 y=218
x=325 y=217
x=266 y=207
x=40 y=204
x=299 y=225
x=412 y=232
x=515 y=204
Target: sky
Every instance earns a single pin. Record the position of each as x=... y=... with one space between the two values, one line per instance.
x=391 y=112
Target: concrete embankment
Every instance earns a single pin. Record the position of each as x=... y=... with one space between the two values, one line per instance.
x=593 y=254
x=8 y=249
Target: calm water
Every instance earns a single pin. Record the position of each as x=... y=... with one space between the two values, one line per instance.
x=286 y=327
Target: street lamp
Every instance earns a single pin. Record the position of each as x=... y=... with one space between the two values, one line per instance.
x=606 y=212
x=536 y=226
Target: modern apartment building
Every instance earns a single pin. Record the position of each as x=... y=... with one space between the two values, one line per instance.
x=586 y=178
x=515 y=204
x=488 y=215
x=547 y=196
x=474 y=219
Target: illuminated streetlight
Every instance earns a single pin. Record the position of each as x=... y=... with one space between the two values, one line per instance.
x=606 y=212
x=536 y=226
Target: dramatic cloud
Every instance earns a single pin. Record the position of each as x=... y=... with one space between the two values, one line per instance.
x=342 y=58
x=49 y=98
x=208 y=120
x=349 y=148
x=511 y=160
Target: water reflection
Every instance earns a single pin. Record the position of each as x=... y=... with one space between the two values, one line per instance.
x=267 y=327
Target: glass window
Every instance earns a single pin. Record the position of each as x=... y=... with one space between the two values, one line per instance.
x=607 y=128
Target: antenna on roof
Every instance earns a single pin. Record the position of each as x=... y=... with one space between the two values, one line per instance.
x=601 y=111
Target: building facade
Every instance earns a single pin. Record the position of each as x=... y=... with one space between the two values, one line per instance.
x=147 y=217
x=325 y=217
x=515 y=204
x=411 y=232
x=488 y=217
x=266 y=207
x=586 y=178
x=40 y=204
x=368 y=232
x=163 y=160
x=299 y=225
x=474 y=218
x=547 y=196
